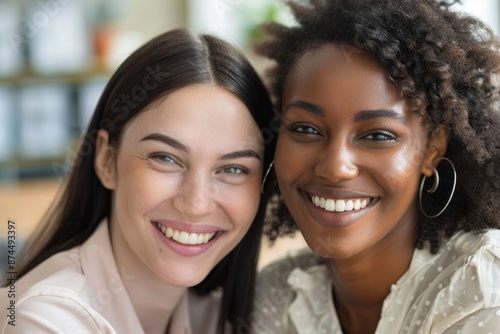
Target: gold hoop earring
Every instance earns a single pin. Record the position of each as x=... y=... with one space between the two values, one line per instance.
x=435 y=187
x=265 y=177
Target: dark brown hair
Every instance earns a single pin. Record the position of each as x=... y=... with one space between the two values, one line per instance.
x=445 y=63
x=167 y=63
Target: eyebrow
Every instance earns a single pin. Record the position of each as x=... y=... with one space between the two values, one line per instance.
x=371 y=114
x=360 y=116
x=167 y=140
x=311 y=107
x=240 y=154
x=178 y=145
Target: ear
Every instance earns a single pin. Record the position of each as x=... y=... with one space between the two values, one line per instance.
x=104 y=161
x=436 y=148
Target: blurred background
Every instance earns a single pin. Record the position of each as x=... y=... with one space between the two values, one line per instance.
x=55 y=58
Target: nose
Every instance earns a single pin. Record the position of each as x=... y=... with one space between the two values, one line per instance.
x=336 y=162
x=195 y=196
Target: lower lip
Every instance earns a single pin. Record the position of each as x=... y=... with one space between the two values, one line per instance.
x=334 y=219
x=185 y=250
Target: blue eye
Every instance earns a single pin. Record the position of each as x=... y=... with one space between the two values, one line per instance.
x=163 y=157
x=234 y=170
x=381 y=136
x=303 y=128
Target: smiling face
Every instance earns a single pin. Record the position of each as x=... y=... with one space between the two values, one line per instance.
x=185 y=182
x=350 y=154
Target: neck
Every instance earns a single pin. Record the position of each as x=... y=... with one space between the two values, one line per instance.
x=361 y=283
x=154 y=301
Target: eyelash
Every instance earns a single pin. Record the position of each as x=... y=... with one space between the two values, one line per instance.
x=242 y=170
x=297 y=126
x=388 y=136
x=226 y=169
x=307 y=129
x=161 y=157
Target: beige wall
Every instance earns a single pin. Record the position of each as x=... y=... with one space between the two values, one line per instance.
x=151 y=17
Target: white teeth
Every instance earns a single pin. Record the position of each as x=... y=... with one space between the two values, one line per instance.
x=193 y=239
x=184 y=237
x=340 y=205
x=329 y=205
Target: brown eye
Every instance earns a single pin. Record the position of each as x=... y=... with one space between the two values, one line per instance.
x=381 y=136
x=303 y=128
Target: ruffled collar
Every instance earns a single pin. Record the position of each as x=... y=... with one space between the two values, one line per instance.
x=312 y=310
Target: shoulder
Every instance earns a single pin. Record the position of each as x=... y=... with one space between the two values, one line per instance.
x=54 y=297
x=61 y=273
x=472 y=242
x=459 y=289
x=481 y=266
x=60 y=303
x=55 y=312
x=469 y=266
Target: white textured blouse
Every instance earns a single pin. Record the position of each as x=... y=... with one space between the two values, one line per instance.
x=454 y=291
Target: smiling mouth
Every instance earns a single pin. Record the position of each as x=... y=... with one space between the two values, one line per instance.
x=183 y=237
x=340 y=205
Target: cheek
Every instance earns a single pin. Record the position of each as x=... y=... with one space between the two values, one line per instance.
x=244 y=213
x=402 y=170
x=140 y=188
x=241 y=205
x=290 y=160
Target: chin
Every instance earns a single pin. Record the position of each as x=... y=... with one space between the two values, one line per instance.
x=183 y=277
x=340 y=254
x=332 y=248
x=183 y=282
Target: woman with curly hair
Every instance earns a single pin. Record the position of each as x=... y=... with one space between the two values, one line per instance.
x=388 y=161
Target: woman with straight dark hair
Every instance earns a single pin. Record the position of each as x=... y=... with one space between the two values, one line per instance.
x=164 y=195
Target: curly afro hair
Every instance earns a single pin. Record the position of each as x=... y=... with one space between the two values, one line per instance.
x=445 y=63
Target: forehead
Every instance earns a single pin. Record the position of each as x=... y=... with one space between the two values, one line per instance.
x=341 y=73
x=199 y=114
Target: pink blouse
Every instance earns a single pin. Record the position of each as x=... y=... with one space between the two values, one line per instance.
x=81 y=291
